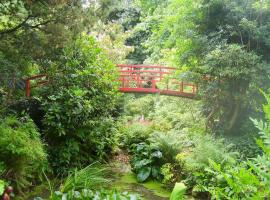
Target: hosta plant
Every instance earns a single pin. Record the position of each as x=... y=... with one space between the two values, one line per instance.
x=146 y=162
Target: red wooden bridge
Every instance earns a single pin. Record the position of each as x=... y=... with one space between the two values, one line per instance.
x=147 y=79
x=153 y=79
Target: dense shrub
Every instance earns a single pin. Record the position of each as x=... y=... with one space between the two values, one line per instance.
x=136 y=107
x=195 y=160
x=246 y=180
x=22 y=151
x=169 y=144
x=134 y=134
x=78 y=104
x=207 y=147
x=31 y=107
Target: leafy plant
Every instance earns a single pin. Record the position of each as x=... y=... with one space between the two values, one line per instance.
x=146 y=161
x=2 y=186
x=207 y=147
x=86 y=194
x=247 y=180
x=167 y=171
x=90 y=177
x=168 y=143
x=195 y=161
x=178 y=192
x=78 y=106
x=134 y=134
x=22 y=151
x=87 y=183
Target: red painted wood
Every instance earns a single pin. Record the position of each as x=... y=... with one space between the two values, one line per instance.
x=145 y=66
x=145 y=71
x=145 y=79
x=38 y=83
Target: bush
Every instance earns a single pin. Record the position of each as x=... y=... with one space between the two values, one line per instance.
x=207 y=147
x=87 y=183
x=22 y=151
x=78 y=105
x=134 y=134
x=146 y=162
x=168 y=143
x=194 y=161
x=136 y=107
x=93 y=141
x=245 y=180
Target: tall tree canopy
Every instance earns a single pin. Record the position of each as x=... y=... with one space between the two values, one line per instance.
x=225 y=42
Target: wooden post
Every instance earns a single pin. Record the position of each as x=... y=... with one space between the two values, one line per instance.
x=182 y=87
x=153 y=84
x=27 y=88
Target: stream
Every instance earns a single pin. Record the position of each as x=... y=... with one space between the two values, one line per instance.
x=125 y=180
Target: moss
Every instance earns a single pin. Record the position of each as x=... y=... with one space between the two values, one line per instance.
x=157 y=188
x=129 y=182
x=129 y=178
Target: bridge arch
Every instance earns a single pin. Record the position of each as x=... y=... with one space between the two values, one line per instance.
x=146 y=79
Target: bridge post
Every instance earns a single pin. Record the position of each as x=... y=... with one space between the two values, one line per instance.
x=27 y=88
x=182 y=86
x=153 y=84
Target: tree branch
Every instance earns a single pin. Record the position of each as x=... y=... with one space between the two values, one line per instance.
x=40 y=24
x=16 y=27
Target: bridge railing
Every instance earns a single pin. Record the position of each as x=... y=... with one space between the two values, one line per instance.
x=150 y=79
x=138 y=79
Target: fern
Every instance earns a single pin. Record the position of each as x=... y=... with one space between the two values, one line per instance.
x=264 y=132
x=169 y=144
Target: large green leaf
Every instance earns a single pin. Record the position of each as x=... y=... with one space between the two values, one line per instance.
x=155 y=172
x=178 y=191
x=157 y=154
x=2 y=186
x=143 y=174
x=142 y=163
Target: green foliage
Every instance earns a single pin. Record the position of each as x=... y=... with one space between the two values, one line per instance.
x=146 y=161
x=234 y=69
x=134 y=134
x=90 y=177
x=169 y=144
x=86 y=184
x=178 y=192
x=167 y=171
x=179 y=114
x=136 y=107
x=22 y=151
x=207 y=147
x=78 y=107
x=247 y=180
x=2 y=186
x=226 y=41
x=32 y=35
x=193 y=162
x=87 y=194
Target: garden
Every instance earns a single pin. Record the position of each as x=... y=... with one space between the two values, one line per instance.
x=68 y=132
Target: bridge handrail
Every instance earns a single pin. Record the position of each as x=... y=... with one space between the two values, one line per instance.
x=145 y=66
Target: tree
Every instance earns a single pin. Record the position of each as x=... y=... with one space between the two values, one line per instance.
x=224 y=40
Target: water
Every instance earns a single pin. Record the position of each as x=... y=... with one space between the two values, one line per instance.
x=125 y=180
